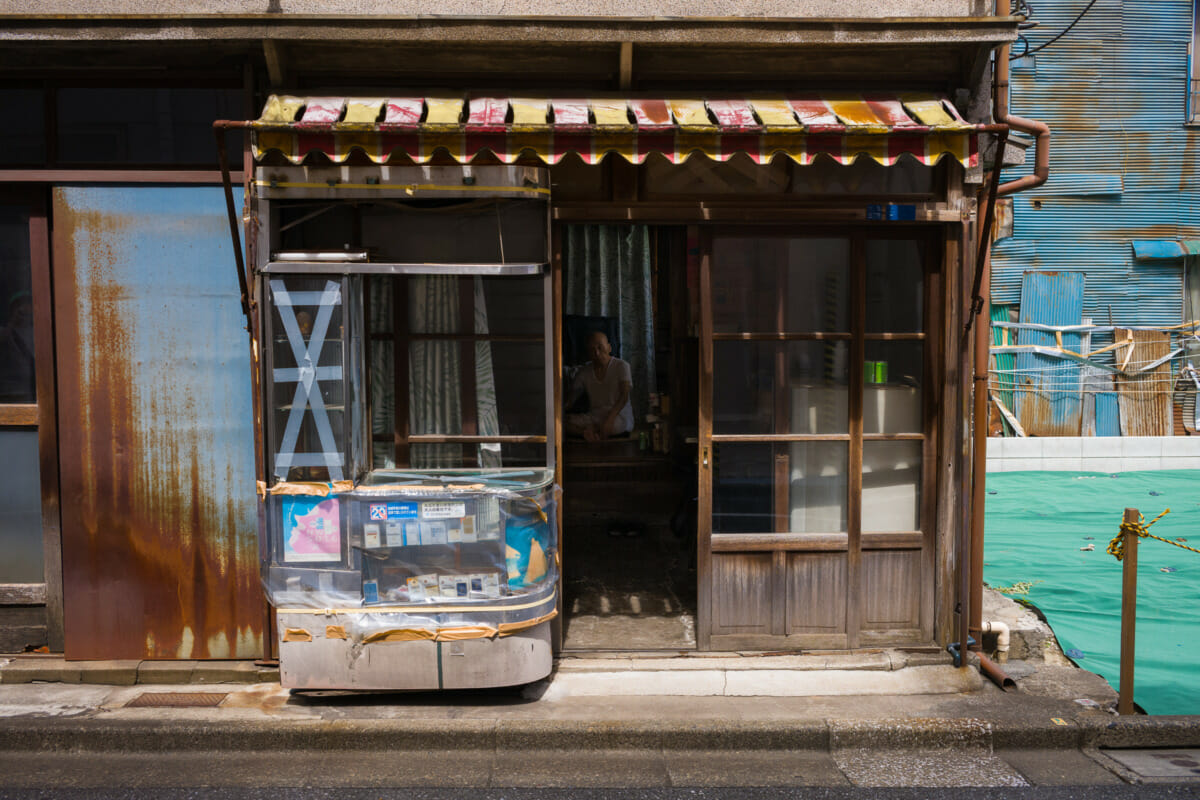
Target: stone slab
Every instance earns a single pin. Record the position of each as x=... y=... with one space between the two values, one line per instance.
x=949 y=767
x=38 y=668
x=834 y=682
x=116 y=672
x=1160 y=763
x=225 y=672
x=751 y=768
x=165 y=671
x=1059 y=767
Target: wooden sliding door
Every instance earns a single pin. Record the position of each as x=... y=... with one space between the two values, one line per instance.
x=815 y=423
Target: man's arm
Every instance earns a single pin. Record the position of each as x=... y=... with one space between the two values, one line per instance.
x=622 y=398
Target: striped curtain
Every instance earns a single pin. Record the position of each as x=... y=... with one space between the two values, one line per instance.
x=435 y=376
x=608 y=270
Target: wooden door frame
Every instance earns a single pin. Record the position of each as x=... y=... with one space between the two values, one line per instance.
x=41 y=415
x=934 y=265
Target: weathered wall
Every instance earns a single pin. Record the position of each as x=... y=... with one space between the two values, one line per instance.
x=160 y=556
x=1123 y=167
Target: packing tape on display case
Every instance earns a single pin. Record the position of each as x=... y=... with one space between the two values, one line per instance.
x=304 y=488
x=466 y=555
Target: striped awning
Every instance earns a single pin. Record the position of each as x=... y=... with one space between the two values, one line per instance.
x=844 y=127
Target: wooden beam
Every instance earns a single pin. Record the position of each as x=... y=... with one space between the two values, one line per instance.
x=626 y=66
x=276 y=63
x=19 y=414
x=22 y=594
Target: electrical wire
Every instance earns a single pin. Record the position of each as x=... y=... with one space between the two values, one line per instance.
x=1028 y=52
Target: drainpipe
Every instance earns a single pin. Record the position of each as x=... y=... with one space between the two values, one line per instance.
x=1003 y=638
x=981 y=318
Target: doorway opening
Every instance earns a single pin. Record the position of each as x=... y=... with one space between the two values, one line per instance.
x=629 y=499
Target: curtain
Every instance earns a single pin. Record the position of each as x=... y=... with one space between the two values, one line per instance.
x=434 y=375
x=608 y=275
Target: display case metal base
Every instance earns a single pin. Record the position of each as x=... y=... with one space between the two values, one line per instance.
x=312 y=656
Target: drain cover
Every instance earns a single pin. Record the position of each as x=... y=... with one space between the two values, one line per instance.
x=177 y=700
x=1173 y=763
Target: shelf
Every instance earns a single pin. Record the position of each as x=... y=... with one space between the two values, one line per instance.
x=400 y=268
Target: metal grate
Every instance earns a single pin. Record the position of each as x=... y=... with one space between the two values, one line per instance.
x=177 y=700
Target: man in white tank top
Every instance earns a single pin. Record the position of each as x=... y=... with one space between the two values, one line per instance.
x=607 y=381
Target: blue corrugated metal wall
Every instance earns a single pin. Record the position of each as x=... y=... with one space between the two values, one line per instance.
x=1123 y=166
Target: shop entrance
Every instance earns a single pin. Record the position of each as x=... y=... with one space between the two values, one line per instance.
x=629 y=509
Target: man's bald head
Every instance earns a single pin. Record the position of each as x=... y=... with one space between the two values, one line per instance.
x=599 y=350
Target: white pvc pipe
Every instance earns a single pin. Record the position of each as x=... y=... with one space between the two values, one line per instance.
x=1002 y=638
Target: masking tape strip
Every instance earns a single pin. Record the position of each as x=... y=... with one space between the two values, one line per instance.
x=297 y=635
x=326 y=297
x=309 y=488
x=308 y=395
x=328 y=612
x=457 y=634
x=289 y=374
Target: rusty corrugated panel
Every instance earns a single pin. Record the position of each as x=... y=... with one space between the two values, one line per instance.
x=1145 y=399
x=1124 y=165
x=1047 y=389
x=155 y=427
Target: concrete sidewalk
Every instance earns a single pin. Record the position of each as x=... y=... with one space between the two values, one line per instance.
x=883 y=718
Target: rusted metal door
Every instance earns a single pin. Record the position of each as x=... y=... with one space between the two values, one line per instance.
x=156 y=435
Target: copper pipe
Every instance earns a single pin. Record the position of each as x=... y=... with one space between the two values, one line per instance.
x=973 y=598
x=996 y=675
x=983 y=332
x=1000 y=89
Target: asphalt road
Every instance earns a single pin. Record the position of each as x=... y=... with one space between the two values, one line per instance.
x=1152 y=792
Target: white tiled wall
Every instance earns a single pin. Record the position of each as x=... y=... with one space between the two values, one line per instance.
x=1093 y=453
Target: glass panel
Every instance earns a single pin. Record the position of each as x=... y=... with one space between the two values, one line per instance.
x=895 y=286
x=144 y=126
x=509 y=381
x=17 y=378
x=797 y=285
x=780 y=387
x=309 y=427
x=20 y=508
x=891 y=498
x=892 y=387
x=23 y=138
x=383 y=391
x=456 y=231
x=512 y=306
x=519 y=384
x=747 y=478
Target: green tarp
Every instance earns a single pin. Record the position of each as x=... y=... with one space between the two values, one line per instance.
x=1038 y=524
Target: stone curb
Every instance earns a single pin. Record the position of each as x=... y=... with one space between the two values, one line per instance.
x=109 y=736
x=51 y=669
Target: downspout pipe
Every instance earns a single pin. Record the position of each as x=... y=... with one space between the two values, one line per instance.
x=981 y=314
x=1001 y=115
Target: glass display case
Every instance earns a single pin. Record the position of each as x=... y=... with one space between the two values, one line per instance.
x=408 y=526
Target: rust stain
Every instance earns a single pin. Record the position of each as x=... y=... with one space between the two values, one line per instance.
x=152 y=563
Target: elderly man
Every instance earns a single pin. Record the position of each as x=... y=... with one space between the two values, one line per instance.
x=607 y=381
